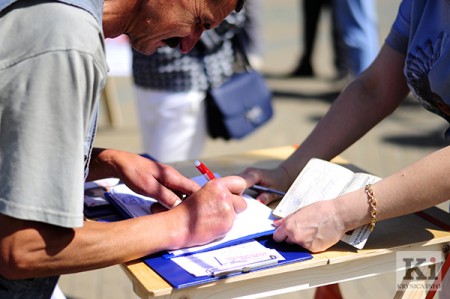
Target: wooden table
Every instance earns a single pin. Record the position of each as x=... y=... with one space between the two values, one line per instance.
x=339 y=263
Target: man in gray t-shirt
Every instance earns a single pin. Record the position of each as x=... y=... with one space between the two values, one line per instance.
x=52 y=72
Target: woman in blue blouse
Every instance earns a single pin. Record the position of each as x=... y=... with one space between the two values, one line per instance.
x=416 y=58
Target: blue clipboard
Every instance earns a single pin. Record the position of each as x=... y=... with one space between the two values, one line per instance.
x=179 y=278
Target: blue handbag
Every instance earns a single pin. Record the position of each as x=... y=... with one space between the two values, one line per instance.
x=240 y=105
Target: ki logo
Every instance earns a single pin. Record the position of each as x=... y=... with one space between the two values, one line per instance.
x=416 y=269
x=421 y=270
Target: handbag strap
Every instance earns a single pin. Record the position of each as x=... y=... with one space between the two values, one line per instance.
x=240 y=55
x=240 y=52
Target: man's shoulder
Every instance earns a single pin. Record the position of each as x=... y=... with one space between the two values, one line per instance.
x=95 y=7
x=5 y=3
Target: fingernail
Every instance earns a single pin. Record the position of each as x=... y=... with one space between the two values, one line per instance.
x=276 y=222
x=176 y=203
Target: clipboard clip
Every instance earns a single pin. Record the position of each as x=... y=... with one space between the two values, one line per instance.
x=219 y=272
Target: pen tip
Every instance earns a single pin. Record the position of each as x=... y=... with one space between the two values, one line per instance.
x=197 y=163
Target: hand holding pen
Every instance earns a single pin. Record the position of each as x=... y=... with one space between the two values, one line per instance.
x=204 y=170
x=209 y=176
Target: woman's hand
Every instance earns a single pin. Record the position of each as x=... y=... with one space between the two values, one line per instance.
x=315 y=227
x=272 y=178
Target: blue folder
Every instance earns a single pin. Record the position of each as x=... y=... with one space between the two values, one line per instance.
x=179 y=278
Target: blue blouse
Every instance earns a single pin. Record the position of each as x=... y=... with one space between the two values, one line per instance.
x=421 y=32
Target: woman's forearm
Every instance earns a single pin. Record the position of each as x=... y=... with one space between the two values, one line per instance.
x=421 y=185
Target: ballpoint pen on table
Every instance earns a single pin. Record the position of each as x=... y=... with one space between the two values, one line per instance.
x=259 y=188
x=244 y=268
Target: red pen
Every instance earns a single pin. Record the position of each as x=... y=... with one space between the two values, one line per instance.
x=204 y=170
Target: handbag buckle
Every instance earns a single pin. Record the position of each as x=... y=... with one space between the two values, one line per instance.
x=255 y=115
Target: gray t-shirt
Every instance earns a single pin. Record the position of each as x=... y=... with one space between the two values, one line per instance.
x=52 y=72
x=95 y=7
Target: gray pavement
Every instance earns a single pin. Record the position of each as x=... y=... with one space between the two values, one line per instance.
x=407 y=135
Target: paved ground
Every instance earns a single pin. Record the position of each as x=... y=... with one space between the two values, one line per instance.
x=404 y=137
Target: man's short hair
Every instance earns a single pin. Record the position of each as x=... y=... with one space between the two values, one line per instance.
x=239 y=5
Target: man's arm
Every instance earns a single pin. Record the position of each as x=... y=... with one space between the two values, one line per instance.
x=33 y=249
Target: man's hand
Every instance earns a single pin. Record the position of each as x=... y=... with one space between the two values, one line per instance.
x=209 y=213
x=142 y=175
x=31 y=249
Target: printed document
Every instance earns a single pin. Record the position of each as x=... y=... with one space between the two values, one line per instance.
x=323 y=180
